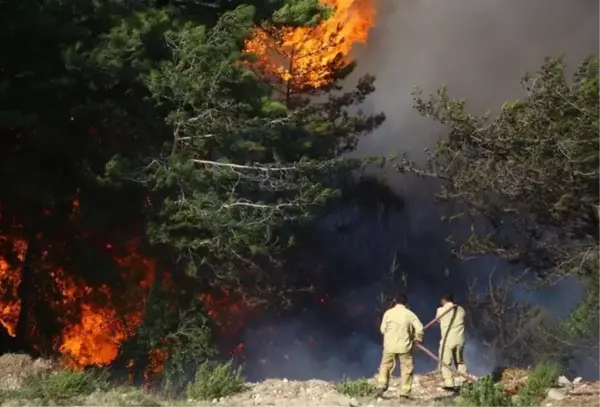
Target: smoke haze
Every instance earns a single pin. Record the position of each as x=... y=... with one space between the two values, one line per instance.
x=480 y=49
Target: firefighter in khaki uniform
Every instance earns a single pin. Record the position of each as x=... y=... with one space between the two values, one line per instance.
x=452 y=343
x=400 y=328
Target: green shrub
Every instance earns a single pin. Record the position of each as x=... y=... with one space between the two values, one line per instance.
x=356 y=388
x=214 y=381
x=59 y=386
x=484 y=392
x=543 y=377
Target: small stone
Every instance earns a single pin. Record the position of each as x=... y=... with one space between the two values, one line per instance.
x=285 y=380
x=379 y=399
x=353 y=402
x=563 y=381
x=577 y=380
x=215 y=400
x=555 y=394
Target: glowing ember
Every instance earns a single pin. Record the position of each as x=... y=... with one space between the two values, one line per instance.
x=227 y=311
x=307 y=56
x=156 y=362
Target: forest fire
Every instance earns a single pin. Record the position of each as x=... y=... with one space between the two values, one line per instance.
x=92 y=320
x=95 y=321
x=94 y=326
x=303 y=57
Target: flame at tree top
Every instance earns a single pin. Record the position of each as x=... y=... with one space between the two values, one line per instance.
x=304 y=57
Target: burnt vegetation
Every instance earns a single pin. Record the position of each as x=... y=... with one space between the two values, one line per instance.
x=163 y=181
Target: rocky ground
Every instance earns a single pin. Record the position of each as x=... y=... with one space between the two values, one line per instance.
x=283 y=392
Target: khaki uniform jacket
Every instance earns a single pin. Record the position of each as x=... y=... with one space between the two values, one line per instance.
x=452 y=325
x=400 y=327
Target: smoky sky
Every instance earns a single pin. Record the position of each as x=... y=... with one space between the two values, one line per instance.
x=480 y=49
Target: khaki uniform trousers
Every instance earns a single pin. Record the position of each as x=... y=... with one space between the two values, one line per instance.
x=388 y=362
x=452 y=355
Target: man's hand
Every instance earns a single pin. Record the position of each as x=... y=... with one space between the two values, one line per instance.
x=417 y=342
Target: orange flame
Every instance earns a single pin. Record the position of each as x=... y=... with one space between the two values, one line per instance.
x=307 y=56
x=96 y=320
x=10 y=278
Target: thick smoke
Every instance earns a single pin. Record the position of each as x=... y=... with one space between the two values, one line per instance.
x=480 y=49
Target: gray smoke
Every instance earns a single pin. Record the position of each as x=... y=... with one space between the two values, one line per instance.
x=480 y=49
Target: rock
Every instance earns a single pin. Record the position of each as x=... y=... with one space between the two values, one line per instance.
x=577 y=380
x=215 y=400
x=285 y=380
x=379 y=399
x=555 y=394
x=563 y=381
x=353 y=402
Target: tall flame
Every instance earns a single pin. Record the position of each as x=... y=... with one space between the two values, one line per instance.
x=307 y=56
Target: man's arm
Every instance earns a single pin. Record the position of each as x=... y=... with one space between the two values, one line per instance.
x=438 y=312
x=384 y=322
x=418 y=326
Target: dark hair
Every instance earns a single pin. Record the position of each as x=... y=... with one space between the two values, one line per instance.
x=401 y=298
x=448 y=297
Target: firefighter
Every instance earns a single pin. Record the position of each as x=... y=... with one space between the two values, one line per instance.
x=400 y=328
x=452 y=342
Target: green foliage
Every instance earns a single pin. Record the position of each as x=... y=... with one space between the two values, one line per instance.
x=533 y=173
x=215 y=381
x=301 y=13
x=356 y=388
x=484 y=392
x=56 y=387
x=190 y=345
x=242 y=171
x=543 y=377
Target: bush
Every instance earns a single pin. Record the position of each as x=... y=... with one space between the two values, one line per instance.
x=543 y=377
x=356 y=388
x=214 y=381
x=484 y=392
x=59 y=386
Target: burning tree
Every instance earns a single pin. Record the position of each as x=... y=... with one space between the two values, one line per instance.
x=241 y=170
x=295 y=60
x=130 y=163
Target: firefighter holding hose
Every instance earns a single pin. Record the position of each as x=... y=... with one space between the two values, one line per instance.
x=452 y=343
x=400 y=328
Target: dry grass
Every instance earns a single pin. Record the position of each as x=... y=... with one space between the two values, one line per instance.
x=14 y=368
